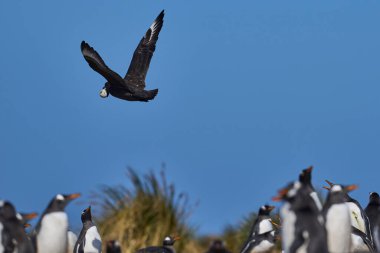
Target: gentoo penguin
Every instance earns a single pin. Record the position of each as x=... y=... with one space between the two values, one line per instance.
x=338 y=220
x=132 y=86
x=167 y=246
x=361 y=232
x=13 y=238
x=305 y=179
x=217 y=246
x=113 y=246
x=302 y=223
x=262 y=235
x=373 y=212
x=50 y=234
x=72 y=239
x=89 y=240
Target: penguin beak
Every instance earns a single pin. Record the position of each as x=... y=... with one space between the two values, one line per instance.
x=310 y=169
x=176 y=238
x=329 y=183
x=270 y=208
x=72 y=196
x=327 y=188
x=29 y=216
x=27 y=225
x=351 y=187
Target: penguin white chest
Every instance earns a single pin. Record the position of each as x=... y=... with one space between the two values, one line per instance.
x=262 y=247
x=338 y=226
x=52 y=236
x=93 y=243
x=288 y=226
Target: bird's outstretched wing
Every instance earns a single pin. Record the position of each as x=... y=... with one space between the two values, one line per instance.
x=143 y=54
x=96 y=63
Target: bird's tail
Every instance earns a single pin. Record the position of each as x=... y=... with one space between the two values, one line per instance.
x=151 y=94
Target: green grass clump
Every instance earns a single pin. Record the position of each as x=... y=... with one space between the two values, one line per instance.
x=144 y=213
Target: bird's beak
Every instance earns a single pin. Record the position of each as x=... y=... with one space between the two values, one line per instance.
x=73 y=196
x=27 y=225
x=270 y=208
x=29 y=216
x=327 y=188
x=277 y=198
x=329 y=183
x=176 y=238
x=310 y=169
x=351 y=187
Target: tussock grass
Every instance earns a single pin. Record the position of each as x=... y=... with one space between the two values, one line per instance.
x=144 y=213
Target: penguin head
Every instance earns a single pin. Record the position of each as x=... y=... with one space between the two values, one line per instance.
x=217 y=245
x=265 y=210
x=86 y=215
x=60 y=201
x=288 y=192
x=113 y=246
x=104 y=92
x=170 y=240
x=7 y=210
x=374 y=197
x=305 y=176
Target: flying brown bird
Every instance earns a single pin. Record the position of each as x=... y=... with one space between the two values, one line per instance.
x=132 y=86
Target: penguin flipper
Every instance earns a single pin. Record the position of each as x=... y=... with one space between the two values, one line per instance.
x=364 y=237
x=298 y=241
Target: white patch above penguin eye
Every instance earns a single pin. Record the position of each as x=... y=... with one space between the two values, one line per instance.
x=336 y=188
x=1 y=203
x=60 y=197
x=167 y=238
x=18 y=216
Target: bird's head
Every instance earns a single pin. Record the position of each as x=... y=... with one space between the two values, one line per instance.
x=170 y=240
x=60 y=201
x=265 y=210
x=86 y=215
x=104 y=92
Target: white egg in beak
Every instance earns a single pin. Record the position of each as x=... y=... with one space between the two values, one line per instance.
x=103 y=93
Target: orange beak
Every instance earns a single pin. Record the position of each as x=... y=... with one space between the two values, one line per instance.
x=29 y=216
x=329 y=183
x=176 y=238
x=270 y=208
x=309 y=169
x=327 y=188
x=351 y=187
x=73 y=196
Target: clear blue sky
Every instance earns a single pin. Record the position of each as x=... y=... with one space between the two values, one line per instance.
x=251 y=92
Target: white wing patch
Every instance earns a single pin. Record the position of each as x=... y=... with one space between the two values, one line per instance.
x=265 y=226
x=314 y=196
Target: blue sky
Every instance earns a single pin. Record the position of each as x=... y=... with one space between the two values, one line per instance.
x=251 y=92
